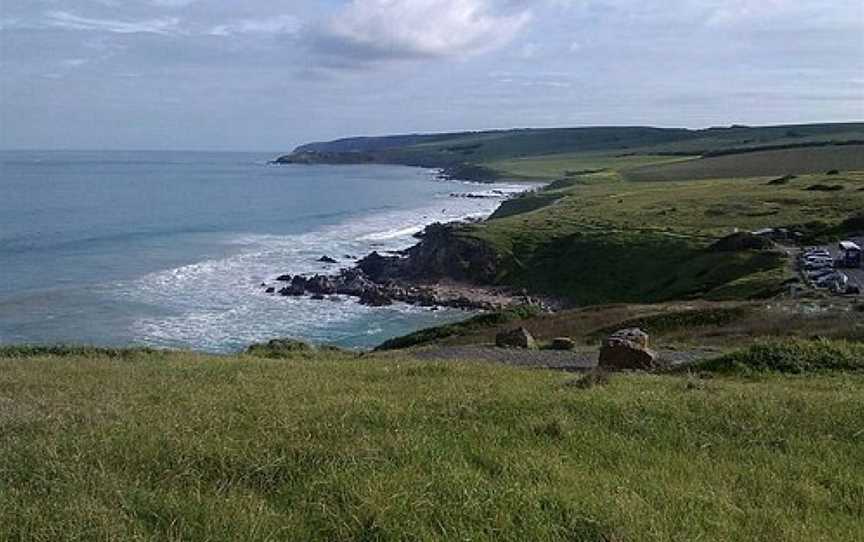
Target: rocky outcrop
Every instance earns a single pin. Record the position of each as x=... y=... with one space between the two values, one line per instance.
x=627 y=349
x=444 y=251
x=516 y=338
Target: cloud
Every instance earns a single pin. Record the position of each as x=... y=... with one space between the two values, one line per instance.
x=282 y=24
x=369 y=30
x=69 y=21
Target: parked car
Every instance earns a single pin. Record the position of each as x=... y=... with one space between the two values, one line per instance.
x=818 y=266
x=820 y=254
x=835 y=281
x=816 y=276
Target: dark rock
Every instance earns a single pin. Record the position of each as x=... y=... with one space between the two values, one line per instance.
x=321 y=284
x=563 y=343
x=516 y=338
x=326 y=259
x=318 y=297
x=270 y=290
x=284 y=278
x=292 y=291
x=375 y=298
x=627 y=350
x=380 y=268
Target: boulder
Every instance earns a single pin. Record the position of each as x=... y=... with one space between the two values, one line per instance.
x=326 y=259
x=375 y=298
x=516 y=338
x=284 y=278
x=563 y=343
x=627 y=350
x=270 y=290
x=321 y=284
x=292 y=291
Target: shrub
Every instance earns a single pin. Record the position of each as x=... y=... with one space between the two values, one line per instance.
x=278 y=348
x=791 y=356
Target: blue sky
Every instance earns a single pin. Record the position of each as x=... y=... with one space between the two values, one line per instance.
x=270 y=74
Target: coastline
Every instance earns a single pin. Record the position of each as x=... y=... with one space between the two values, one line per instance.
x=408 y=276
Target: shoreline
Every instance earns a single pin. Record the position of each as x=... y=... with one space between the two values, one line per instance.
x=378 y=280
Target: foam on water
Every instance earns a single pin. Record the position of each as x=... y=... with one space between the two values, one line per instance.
x=218 y=305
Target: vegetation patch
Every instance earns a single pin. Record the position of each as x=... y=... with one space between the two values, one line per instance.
x=659 y=324
x=795 y=356
x=240 y=448
x=470 y=326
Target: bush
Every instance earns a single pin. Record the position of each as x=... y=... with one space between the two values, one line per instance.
x=279 y=348
x=791 y=356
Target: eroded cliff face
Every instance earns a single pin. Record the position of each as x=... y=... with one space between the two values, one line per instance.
x=444 y=252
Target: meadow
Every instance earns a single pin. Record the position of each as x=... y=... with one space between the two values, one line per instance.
x=143 y=445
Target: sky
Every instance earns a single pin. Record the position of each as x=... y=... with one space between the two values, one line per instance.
x=268 y=75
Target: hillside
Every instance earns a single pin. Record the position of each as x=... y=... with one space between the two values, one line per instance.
x=631 y=213
x=481 y=148
x=143 y=445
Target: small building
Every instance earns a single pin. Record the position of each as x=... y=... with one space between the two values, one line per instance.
x=850 y=254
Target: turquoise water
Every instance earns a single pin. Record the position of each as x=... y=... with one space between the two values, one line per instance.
x=170 y=249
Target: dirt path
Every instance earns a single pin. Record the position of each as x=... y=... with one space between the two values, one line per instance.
x=574 y=361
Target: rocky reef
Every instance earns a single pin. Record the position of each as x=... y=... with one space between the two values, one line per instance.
x=446 y=268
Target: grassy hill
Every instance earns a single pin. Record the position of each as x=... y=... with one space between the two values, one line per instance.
x=483 y=148
x=137 y=445
x=631 y=212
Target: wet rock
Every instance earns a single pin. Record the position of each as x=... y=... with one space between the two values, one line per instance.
x=321 y=284
x=318 y=297
x=326 y=259
x=270 y=290
x=375 y=298
x=516 y=338
x=284 y=278
x=627 y=350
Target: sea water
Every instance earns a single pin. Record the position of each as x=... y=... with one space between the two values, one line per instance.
x=169 y=249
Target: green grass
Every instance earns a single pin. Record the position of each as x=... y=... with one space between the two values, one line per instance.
x=189 y=447
x=647 y=242
x=791 y=356
x=589 y=165
x=459 y=329
x=756 y=164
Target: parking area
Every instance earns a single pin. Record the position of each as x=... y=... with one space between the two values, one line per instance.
x=826 y=267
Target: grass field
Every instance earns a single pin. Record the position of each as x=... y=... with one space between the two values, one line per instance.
x=755 y=164
x=592 y=165
x=605 y=242
x=150 y=446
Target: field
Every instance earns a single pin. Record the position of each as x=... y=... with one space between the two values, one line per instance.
x=622 y=242
x=558 y=166
x=755 y=164
x=152 y=446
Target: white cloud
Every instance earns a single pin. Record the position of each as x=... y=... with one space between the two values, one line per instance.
x=282 y=24
x=419 y=28
x=69 y=21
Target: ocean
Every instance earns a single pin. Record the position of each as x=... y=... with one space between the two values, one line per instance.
x=169 y=249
